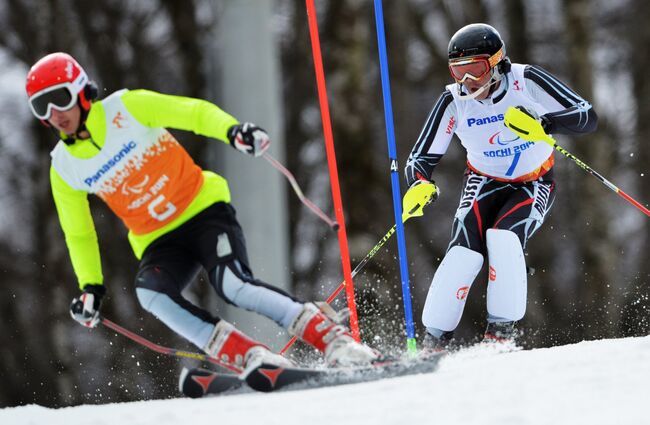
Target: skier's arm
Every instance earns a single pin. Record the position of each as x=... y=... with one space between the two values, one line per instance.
x=184 y=113
x=571 y=113
x=79 y=230
x=433 y=141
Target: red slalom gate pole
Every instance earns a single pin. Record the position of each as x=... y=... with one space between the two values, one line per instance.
x=331 y=160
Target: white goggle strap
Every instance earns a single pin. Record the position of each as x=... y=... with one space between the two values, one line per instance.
x=80 y=82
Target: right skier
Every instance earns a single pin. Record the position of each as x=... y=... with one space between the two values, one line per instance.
x=508 y=183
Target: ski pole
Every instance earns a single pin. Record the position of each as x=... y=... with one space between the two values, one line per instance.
x=296 y=188
x=165 y=350
x=419 y=196
x=602 y=179
x=528 y=128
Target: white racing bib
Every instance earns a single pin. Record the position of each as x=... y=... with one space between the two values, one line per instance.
x=492 y=149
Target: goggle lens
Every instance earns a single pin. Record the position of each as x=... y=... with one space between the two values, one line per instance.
x=474 y=69
x=60 y=98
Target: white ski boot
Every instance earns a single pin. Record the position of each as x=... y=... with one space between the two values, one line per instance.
x=319 y=328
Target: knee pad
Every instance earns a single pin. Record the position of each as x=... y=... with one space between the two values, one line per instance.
x=507 y=285
x=450 y=287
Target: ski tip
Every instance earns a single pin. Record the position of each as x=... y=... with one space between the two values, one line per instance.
x=269 y=377
x=182 y=378
x=197 y=382
x=264 y=377
x=188 y=386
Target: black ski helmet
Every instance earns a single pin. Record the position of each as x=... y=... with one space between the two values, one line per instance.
x=475 y=39
x=478 y=39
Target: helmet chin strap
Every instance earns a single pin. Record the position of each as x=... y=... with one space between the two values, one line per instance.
x=477 y=93
x=496 y=77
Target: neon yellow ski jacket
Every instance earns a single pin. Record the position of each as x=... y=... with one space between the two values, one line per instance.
x=150 y=109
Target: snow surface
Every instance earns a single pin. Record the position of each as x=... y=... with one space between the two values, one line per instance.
x=596 y=382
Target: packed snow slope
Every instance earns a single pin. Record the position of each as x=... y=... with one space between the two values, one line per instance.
x=596 y=382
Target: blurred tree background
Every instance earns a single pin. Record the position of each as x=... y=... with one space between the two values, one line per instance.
x=591 y=256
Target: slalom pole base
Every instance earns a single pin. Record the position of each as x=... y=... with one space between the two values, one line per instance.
x=411 y=346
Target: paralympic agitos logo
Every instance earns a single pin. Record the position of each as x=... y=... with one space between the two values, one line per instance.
x=496 y=138
x=126 y=148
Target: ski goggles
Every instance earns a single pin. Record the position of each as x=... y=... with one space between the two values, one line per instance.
x=475 y=67
x=60 y=97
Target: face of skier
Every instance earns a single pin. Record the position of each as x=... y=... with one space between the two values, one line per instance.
x=473 y=85
x=66 y=121
x=475 y=72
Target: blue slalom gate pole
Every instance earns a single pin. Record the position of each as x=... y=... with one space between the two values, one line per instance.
x=394 y=176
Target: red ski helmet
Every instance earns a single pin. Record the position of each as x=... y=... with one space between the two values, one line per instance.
x=57 y=81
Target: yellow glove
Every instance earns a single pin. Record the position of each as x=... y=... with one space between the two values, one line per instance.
x=421 y=193
x=526 y=126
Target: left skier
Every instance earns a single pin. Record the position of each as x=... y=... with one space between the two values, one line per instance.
x=179 y=216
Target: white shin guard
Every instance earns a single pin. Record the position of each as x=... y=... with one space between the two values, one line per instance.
x=449 y=289
x=507 y=285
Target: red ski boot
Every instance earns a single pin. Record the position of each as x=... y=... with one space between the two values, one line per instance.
x=319 y=328
x=230 y=345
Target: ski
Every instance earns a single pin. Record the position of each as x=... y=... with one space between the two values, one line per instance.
x=267 y=377
x=197 y=382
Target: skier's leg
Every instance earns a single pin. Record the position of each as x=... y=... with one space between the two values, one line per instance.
x=240 y=289
x=159 y=291
x=233 y=280
x=520 y=217
x=449 y=290
x=526 y=207
x=168 y=266
x=306 y=321
x=220 y=246
x=506 y=292
x=159 y=283
x=453 y=279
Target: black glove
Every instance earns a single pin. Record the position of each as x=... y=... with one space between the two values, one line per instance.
x=249 y=138
x=419 y=178
x=528 y=111
x=85 y=309
x=544 y=120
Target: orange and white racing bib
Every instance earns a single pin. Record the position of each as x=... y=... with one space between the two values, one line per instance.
x=144 y=175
